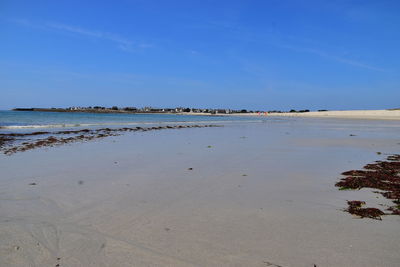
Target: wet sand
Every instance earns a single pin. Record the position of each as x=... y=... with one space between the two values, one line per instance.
x=247 y=194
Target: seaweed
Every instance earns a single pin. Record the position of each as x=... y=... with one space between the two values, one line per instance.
x=381 y=175
x=8 y=144
x=355 y=208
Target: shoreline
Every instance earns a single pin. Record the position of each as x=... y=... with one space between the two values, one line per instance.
x=339 y=114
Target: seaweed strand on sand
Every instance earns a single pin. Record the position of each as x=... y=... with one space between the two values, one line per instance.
x=11 y=143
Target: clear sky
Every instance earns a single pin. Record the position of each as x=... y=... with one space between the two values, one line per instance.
x=234 y=54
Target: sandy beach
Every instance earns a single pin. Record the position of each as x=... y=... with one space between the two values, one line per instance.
x=337 y=114
x=349 y=114
x=246 y=194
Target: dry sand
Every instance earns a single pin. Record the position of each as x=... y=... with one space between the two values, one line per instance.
x=339 y=114
x=262 y=195
x=350 y=114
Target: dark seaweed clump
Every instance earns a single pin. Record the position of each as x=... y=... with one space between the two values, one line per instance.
x=381 y=175
x=355 y=208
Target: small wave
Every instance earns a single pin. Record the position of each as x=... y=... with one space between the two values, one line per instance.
x=40 y=126
x=61 y=125
x=75 y=125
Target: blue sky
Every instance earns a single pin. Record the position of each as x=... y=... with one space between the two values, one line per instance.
x=234 y=54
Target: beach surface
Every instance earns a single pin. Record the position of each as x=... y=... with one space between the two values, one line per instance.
x=350 y=114
x=246 y=194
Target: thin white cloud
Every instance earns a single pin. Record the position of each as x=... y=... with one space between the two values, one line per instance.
x=122 y=43
x=276 y=38
x=95 y=34
x=333 y=57
x=273 y=38
x=77 y=30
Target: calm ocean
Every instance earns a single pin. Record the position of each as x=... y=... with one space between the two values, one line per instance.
x=29 y=119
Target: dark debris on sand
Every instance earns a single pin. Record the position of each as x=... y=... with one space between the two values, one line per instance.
x=381 y=175
x=9 y=141
x=355 y=208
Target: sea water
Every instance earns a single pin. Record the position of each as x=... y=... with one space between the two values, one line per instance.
x=36 y=119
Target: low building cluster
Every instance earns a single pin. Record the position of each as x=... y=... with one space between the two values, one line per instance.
x=159 y=110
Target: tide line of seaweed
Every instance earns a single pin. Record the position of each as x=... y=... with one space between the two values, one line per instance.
x=9 y=142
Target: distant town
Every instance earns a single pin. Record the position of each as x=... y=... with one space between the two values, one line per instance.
x=178 y=110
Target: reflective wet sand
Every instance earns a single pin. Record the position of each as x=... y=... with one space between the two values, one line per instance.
x=258 y=194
